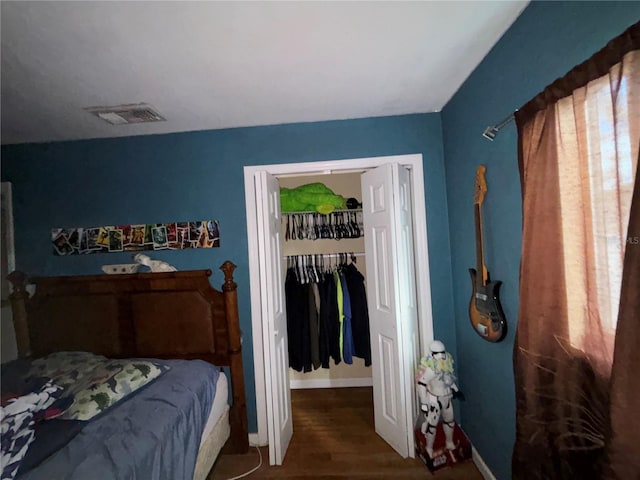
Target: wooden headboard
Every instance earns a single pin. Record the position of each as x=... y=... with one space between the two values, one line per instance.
x=176 y=315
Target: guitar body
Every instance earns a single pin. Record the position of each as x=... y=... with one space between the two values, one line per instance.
x=485 y=310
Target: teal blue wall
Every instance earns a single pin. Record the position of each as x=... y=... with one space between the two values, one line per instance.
x=199 y=175
x=546 y=41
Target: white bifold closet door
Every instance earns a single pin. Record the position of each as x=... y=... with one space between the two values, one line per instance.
x=391 y=297
x=272 y=271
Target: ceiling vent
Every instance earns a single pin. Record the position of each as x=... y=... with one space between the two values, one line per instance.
x=125 y=114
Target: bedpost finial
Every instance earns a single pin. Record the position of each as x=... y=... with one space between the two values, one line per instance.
x=228 y=268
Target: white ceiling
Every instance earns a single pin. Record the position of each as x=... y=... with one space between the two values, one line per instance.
x=210 y=65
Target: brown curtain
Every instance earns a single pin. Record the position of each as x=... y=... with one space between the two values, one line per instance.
x=576 y=356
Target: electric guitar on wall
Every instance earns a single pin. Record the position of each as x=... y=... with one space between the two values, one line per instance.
x=485 y=311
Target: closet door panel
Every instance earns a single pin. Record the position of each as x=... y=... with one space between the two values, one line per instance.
x=408 y=308
x=381 y=244
x=276 y=359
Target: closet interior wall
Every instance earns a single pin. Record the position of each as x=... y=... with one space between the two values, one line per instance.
x=341 y=375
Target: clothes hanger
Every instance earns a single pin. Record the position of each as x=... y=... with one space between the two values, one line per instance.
x=287 y=232
x=316 y=277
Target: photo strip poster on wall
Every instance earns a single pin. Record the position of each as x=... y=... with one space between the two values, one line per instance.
x=136 y=237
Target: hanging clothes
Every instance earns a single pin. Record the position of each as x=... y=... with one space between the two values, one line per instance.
x=314 y=337
x=339 y=300
x=347 y=335
x=329 y=318
x=323 y=322
x=297 y=301
x=359 y=313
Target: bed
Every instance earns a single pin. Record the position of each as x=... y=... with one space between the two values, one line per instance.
x=174 y=321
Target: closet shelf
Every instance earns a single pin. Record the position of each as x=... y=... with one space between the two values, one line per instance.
x=352 y=210
x=325 y=255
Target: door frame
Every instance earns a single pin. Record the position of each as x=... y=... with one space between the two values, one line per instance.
x=414 y=163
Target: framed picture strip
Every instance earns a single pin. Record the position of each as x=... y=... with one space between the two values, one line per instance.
x=136 y=237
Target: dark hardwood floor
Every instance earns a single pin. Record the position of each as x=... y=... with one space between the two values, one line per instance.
x=334 y=438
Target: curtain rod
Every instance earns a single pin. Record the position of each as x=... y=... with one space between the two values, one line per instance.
x=492 y=130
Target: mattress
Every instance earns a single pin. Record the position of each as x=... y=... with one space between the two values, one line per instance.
x=216 y=431
x=219 y=407
x=211 y=447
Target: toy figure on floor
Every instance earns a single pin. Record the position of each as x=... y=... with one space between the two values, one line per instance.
x=437 y=388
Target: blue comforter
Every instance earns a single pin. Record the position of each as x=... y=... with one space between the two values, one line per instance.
x=153 y=434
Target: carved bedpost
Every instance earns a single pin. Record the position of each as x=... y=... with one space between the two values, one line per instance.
x=18 y=298
x=238 y=441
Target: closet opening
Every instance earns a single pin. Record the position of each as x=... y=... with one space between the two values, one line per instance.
x=327 y=314
x=266 y=235
x=320 y=252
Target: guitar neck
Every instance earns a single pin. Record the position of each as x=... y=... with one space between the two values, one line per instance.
x=482 y=276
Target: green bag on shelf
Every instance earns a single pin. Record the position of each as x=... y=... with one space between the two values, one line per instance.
x=312 y=197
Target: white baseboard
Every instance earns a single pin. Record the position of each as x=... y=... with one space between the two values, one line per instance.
x=331 y=383
x=484 y=470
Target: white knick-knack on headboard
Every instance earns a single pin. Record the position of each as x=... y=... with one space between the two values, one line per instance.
x=154 y=265
x=121 y=268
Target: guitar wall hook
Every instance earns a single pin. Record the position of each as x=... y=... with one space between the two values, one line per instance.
x=485 y=310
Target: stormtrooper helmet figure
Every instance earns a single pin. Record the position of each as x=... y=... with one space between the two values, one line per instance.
x=436 y=388
x=437 y=349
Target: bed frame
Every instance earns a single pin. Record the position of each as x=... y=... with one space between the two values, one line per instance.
x=176 y=315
